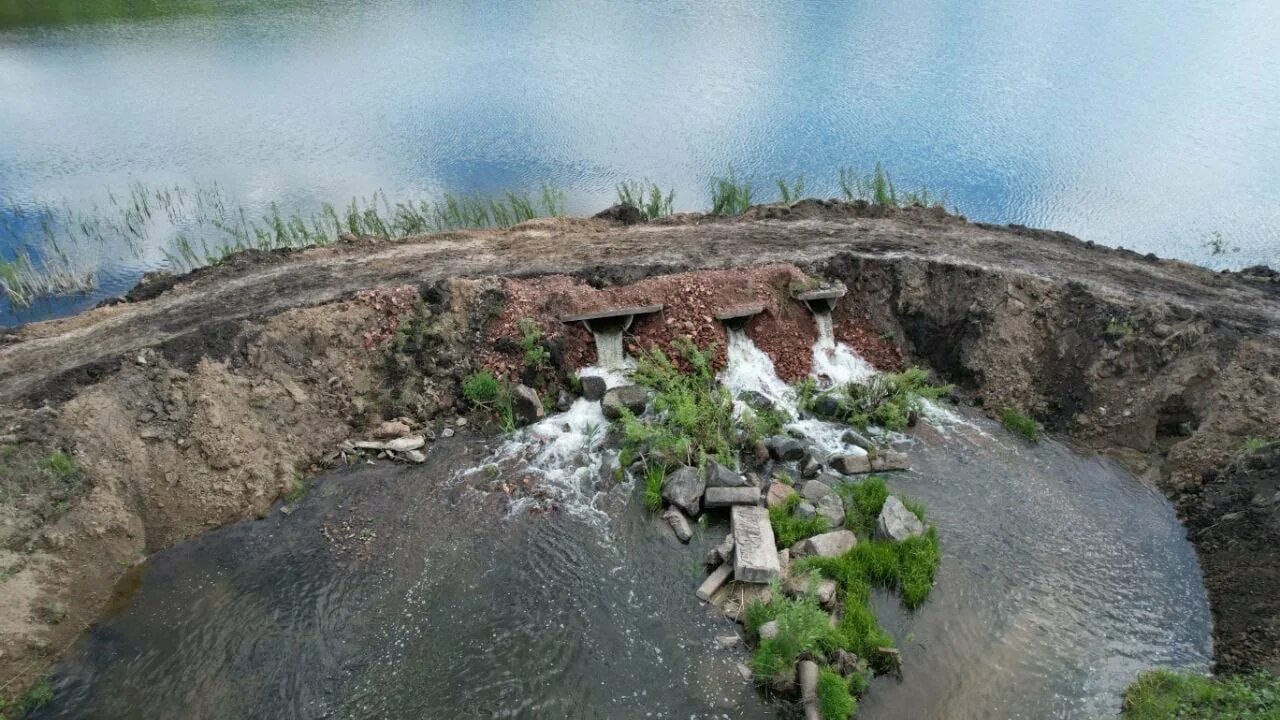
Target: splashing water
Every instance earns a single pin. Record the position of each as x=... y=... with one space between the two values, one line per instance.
x=609 y=352
x=749 y=369
x=835 y=361
x=563 y=451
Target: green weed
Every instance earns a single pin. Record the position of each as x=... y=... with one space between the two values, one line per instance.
x=1169 y=695
x=835 y=701
x=36 y=697
x=877 y=188
x=1254 y=444
x=793 y=192
x=654 y=479
x=862 y=504
x=481 y=387
x=1119 y=328
x=886 y=400
x=535 y=355
x=729 y=196
x=646 y=197
x=1022 y=424
x=789 y=529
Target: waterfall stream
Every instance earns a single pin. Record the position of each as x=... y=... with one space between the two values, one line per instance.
x=609 y=352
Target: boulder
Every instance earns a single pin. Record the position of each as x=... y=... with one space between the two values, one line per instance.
x=564 y=400
x=805 y=510
x=629 y=397
x=830 y=544
x=896 y=522
x=755 y=400
x=593 y=387
x=718 y=497
x=683 y=488
x=785 y=448
x=884 y=461
x=718 y=475
x=825 y=405
x=714 y=581
x=526 y=406
x=832 y=508
x=853 y=437
x=810 y=467
x=679 y=524
x=755 y=555
x=769 y=630
x=778 y=494
x=851 y=464
x=815 y=490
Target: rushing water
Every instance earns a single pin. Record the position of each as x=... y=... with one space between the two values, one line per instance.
x=1144 y=124
x=406 y=592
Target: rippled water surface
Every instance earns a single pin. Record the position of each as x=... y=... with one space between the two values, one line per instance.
x=1144 y=124
x=402 y=592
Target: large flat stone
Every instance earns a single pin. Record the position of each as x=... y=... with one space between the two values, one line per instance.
x=755 y=556
x=716 y=497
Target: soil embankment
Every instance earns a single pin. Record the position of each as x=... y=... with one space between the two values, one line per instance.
x=202 y=403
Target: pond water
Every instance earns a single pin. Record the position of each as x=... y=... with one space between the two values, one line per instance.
x=1144 y=124
x=405 y=592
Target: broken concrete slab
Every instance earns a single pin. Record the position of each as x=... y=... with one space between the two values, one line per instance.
x=755 y=556
x=885 y=461
x=714 y=582
x=718 y=497
x=808 y=672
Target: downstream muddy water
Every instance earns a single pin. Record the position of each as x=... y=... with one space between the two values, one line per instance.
x=407 y=592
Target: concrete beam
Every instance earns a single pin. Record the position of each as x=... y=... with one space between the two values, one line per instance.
x=612 y=313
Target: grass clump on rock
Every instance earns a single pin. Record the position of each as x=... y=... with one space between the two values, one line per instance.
x=484 y=390
x=1169 y=695
x=1022 y=424
x=887 y=400
x=789 y=529
x=804 y=629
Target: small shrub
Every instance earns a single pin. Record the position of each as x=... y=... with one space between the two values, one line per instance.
x=789 y=529
x=835 y=701
x=1021 y=424
x=60 y=465
x=803 y=627
x=295 y=490
x=535 y=355
x=728 y=196
x=481 y=387
x=1168 y=694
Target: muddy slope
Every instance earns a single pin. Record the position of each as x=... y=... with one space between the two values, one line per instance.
x=201 y=403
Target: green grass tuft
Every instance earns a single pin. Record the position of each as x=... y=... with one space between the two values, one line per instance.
x=791 y=193
x=789 y=529
x=835 y=701
x=803 y=627
x=654 y=478
x=1024 y=425
x=728 y=196
x=1169 y=695
x=1255 y=444
x=36 y=697
x=862 y=503
x=481 y=387
x=646 y=197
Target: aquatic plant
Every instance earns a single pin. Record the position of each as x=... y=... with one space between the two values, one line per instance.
x=646 y=197
x=1168 y=695
x=1024 y=425
x=729 y=196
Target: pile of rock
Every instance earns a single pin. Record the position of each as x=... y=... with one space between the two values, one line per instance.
x=395 y=440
